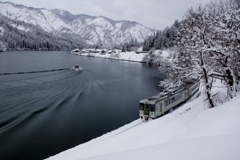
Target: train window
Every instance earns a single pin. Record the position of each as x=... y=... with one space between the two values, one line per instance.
x=141 y=106
x=176 y=98
x=194 y=87
x=173 y=99
x=179 y=97
x=165 y=103
x=152 y=108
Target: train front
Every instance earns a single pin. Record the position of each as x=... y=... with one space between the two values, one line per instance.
x=146 y=109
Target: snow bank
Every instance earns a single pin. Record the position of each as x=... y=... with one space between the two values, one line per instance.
x=165 y=54
x=126 y=56
x=131 y=56
x=189 y=132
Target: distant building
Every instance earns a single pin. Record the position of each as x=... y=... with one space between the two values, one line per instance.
x=103 y=52
x=141 y=52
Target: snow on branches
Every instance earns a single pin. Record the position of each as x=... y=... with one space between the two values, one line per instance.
x=209 y=42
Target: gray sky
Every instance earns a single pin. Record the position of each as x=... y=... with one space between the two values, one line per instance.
x=156 y=14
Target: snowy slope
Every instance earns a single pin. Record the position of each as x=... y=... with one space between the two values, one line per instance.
x=190 y=132
x=42 y=17
x=95 y=30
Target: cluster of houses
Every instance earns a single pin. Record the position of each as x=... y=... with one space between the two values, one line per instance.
x=94 y=51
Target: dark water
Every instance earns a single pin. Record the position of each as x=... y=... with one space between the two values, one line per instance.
x=42 y=114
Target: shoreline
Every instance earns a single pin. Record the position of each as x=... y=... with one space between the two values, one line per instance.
x=131 y=57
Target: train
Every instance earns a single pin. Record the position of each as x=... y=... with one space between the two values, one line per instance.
x=158 y=105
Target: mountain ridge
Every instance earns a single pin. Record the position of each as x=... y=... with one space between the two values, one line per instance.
x=95 y=30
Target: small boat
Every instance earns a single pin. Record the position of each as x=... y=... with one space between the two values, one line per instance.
x=77 y=68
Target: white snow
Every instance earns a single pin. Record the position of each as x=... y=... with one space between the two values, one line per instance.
x=94 y=30
x=137 y=32
x=102 y=23
x=118 y=25
x=131 y=56
x=126 y=56
x=1 y=31
x=20 y=27
x=165 y=54
x=189 y=132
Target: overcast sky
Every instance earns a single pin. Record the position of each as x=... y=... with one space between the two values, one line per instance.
x=156 y=14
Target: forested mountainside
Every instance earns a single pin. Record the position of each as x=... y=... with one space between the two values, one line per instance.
x=20 y=35
x=98 y=31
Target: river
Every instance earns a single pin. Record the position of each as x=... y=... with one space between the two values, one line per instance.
x=44 y=112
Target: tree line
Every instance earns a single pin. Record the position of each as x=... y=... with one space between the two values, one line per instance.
x=162 y=39
x=34 y=38
x=159 y=40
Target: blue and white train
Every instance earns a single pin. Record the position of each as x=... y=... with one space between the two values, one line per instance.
x=156 y=106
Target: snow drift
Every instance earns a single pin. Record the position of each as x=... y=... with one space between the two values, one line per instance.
x=189 y=132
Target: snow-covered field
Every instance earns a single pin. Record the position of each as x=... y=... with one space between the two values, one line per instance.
x=126 y=56
x=117 y=55
x=190 y=132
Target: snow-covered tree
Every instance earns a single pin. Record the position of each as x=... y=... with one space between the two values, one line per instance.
x=208 y=42
x=162 y=39
x=193 y=42
x=2 y=47
x=225 y=45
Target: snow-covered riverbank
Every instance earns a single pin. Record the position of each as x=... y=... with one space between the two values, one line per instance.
x=189 y=132
x=116 y=55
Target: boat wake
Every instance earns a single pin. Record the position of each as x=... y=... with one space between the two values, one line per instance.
x=31 y=72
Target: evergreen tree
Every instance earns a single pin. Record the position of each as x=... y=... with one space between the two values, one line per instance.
x=162 y=39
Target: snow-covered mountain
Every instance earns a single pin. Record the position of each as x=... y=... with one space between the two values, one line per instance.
x=94 y=30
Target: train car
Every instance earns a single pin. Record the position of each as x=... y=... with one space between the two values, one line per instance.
x=156 y=106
